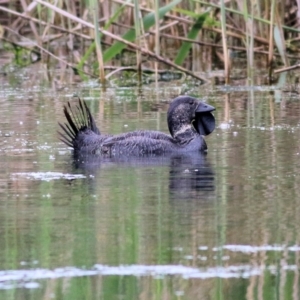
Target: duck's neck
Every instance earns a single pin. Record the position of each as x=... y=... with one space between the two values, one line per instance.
x=184 y=133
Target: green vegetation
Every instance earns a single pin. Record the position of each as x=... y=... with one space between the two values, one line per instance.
x=102 y=39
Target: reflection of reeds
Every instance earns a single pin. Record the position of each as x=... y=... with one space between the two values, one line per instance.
x=268 y=28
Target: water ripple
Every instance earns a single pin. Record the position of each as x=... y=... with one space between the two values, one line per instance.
x=27 y=278
x=46 y=176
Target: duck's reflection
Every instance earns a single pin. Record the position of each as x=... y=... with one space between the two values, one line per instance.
x=189 y=174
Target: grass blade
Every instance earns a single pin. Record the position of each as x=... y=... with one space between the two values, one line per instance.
x=186 y=46
x=148 y=21
x=91 y=48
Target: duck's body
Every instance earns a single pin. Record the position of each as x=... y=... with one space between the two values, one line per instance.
x=82 y=134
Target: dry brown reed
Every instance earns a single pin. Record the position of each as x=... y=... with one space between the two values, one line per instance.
x=75 y=34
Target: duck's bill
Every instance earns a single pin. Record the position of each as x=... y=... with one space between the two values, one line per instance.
x=204 y=123
x=204 y=107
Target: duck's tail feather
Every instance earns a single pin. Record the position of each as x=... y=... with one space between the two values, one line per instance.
x=79 y=119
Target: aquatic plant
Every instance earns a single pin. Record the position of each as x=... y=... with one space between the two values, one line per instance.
x=192 y=37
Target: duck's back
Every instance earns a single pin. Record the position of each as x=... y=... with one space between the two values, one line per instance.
x=138 y=143
x=144 y=142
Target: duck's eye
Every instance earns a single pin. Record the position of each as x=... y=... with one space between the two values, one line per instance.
x=191 y=103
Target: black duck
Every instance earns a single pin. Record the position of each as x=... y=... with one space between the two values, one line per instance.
x=188 y=120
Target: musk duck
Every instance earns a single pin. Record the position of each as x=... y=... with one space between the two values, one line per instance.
x=188 y=120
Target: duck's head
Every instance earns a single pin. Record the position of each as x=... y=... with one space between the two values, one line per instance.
x=186 y=112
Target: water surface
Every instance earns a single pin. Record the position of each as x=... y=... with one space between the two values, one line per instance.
x=223 y=225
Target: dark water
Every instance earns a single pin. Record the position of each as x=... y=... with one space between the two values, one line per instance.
x=220 y=226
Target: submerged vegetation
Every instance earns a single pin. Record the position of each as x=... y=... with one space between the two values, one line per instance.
x=166 y=38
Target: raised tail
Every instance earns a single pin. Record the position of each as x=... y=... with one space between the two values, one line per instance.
x=79 y=120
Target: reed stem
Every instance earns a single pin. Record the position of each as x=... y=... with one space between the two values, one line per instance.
x=271 y=39
x=157 y=38
x=224 y=43
x=95 y=11
x=137 y=26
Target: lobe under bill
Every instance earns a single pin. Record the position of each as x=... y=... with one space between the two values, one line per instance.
x=204 y=123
